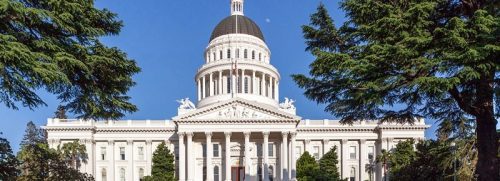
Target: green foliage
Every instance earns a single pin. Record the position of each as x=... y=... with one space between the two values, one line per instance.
x=41 y=163
x=54 y=45
x=401 y=156
x=328 y=166
x=8 y=162
x=307 y=167
x=163 y=168
x=60 y=113
x=396 y=61
x=74 y=153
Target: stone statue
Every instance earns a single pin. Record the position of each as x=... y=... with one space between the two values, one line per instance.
x=287 y=104
x=186 y=104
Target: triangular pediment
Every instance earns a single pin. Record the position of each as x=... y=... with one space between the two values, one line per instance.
x=237 y=109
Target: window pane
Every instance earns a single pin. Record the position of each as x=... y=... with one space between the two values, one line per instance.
x=204 y=150
x=140 y=152
x=216 y=150
x=371 y=150
x=352 y=152
x=216 y=173
x=316 y=152
x=122 y=153
x=270 y=149
x=259 y=150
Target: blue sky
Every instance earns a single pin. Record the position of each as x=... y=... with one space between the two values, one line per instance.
x=167 y=39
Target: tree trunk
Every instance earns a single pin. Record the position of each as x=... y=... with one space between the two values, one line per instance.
x=487 y=144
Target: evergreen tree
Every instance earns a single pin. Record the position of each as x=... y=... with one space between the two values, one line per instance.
x=33 y=135
x=307 y=167
x=163 y=168
x=431 y=58
x=401 y=156
x=55 y=45
x=38 y=162
x=8 y=162
x=328 y=166
x=60 y=113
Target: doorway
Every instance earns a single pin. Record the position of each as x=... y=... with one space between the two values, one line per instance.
x=237 y=173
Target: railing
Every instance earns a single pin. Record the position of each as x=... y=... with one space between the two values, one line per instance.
x=108 y=123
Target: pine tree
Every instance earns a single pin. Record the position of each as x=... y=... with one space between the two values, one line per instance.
x=328 y=166
x=402 y=156
x=33 y=135
x=8 y=162
x=55 y=45
x=395 y=61
x=60 y=113
x=307 y=167
x=163 y=168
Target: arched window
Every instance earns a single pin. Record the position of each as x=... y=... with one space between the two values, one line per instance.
x=246 y=85
x=216 y=173
x=271 y=173
x=245 y=53
x=122 y=174
x=104 y=175
x=352 y=176
x=253 y=55
x=237 y=53
x=228 y=53
x=260 y=56
x=141 y=173
x=220 y=55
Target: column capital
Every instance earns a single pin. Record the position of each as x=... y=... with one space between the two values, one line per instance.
x=344 y=141
x=293 y=134
x=362 y=141
x=111 y=141
x=265 y=133
x=326 y=141
x=149 y=141
x=246 y=133
x=307 y=141
x=284 y=133
x=181 y=134
x=208 y=133
x=130 y=142
x=189 y=134
x=227 y=133
x=390 y=139
x=167 y=142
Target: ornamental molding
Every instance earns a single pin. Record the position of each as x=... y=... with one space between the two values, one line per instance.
x=238 y=110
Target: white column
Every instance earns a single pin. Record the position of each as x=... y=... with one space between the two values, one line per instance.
x=265 y=153
x=199 y=89
x=247 y=156
x=233 y=82
x=326 y=147
x=227 y=155
x=149 y=154
x=242 y=81
x=211 y=84
x=293 y=168
x=111 y=148
x=130 y=159
x=89 y=146
x=362 y=159
x=277 y=91
x=204 y=89
x=219 y=83
x=210 y=172
x=182 y=157
x=284 y=156
x=307 y=142
x=345 y=169
x=190 y=157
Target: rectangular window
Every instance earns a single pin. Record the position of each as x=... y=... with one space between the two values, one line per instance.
x=228 y=88
x=371 y=150
x=352 y=152
x=270 y=150
x=103 y=153
x=216 y=150
x=259 y=150
x=316 y=152
x=204 y=150
x=140 y=152
x=297 y=152
x=122 y=153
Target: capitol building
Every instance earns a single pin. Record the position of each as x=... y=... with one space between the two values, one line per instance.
x=237 y=130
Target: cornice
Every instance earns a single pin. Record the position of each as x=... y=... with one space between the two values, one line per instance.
x=338 y=129
x=110 y=129
x=237 y=121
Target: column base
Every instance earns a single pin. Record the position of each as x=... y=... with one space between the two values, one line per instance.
x=227 y=180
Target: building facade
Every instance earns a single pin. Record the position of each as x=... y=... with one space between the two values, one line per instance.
x=238 y=130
